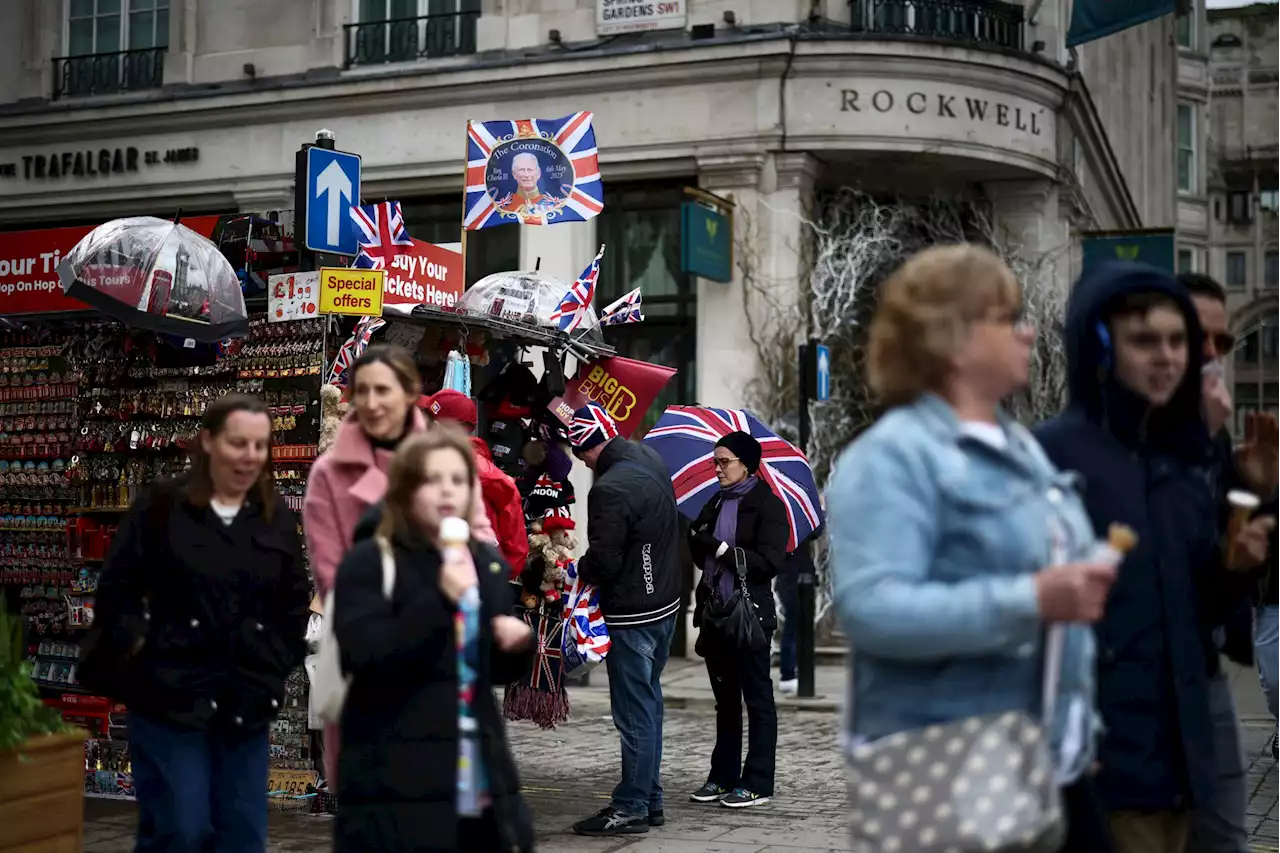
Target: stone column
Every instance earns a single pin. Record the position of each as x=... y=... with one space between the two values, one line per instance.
x=328 y=37
x=771 y=192
x=41 y=24
x=1029 y=219
x=179 y=62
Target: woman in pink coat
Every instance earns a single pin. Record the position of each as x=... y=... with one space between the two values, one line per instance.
x=351 y=476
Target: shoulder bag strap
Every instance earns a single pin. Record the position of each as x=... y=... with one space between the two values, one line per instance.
x=388 y=568
x=1054 y=638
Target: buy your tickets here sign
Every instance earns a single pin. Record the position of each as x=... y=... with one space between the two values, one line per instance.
x=427 y=275
x=28 y=260
x=624 y=387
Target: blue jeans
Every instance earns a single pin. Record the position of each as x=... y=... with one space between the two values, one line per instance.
x=1266 y=637
x=1219 y=826
x=635 y=662
x=198 y=791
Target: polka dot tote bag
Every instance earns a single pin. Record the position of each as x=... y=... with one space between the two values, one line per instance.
x=979 y=784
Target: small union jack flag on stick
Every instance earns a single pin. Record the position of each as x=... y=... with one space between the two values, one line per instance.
x=624 y=310
x=574 y=309
x=381 y=234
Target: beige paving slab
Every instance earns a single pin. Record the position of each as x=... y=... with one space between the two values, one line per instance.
x=785 y=836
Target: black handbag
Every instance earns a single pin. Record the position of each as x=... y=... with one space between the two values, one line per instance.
x=733 y=624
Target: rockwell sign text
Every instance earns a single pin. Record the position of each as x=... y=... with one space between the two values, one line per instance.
x=940 y=105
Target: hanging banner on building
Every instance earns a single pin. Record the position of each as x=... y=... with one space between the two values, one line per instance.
x=28 y=267
x=1094 y=19
x=293 y=296
x=624 y=387
x=533 y=171
x=425 y=274
x=1154 y=247
x=633 y=16
x=357 y=293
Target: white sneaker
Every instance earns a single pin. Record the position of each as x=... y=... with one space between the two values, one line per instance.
x=790 y=686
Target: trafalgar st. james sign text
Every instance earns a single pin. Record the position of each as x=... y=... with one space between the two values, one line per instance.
x=93 y=162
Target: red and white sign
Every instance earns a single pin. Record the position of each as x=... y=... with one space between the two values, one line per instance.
x=427 y=275
x=293 y=296
x=28 y=267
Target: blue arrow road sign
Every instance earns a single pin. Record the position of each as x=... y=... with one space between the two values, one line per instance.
x=823 y=385
x=333 y=185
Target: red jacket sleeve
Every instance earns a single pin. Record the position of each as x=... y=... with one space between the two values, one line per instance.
x=506 y=513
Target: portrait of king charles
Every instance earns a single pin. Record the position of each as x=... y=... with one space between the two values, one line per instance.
x=528 y=200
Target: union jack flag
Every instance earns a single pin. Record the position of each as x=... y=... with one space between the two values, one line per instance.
x=492 y=196
x=625 y=309
x=353 y=347
x=574 y=309
x=381 y=234
x=685 y=437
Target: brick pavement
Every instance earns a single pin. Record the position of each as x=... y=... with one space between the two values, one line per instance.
x=808 y=815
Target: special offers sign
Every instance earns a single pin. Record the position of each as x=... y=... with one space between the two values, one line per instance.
x=351 y=291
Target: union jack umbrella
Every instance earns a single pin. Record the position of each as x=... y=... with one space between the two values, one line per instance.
x=572 y=197
x=381 y=234
x=574 y=309
x=685 y=437
x=625 y=309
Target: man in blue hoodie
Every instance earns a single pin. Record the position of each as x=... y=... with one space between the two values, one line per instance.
x=1135 y=431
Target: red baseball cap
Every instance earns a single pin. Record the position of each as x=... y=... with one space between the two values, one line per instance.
x=450 y=405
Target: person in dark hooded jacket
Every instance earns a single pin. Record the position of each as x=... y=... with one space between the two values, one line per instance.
x=1135 y=431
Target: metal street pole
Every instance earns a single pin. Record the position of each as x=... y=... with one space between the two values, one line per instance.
x=804 y=583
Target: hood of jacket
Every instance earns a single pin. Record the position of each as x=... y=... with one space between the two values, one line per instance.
x=1178 y=426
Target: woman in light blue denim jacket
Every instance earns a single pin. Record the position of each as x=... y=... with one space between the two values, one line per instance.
x=954 y=541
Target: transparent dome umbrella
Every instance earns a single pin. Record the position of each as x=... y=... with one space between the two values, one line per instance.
x=525 y=297
x=159 y=275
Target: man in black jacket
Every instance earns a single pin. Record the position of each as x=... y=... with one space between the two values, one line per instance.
x=633 y=537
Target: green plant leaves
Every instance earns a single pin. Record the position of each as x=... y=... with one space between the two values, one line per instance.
x=22 y=713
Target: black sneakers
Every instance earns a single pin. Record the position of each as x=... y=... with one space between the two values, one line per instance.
x=656 y=817
x=610 y=821
x=741 y=798
x=709 y=793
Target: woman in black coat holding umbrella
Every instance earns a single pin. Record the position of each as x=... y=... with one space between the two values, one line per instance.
x=424 y=762
x=746 y=522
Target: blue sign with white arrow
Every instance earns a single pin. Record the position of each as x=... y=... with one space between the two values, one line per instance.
x=822 y=387
x=333 y=185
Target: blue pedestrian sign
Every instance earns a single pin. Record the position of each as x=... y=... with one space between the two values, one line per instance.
x=333 y=185
x=822 y=387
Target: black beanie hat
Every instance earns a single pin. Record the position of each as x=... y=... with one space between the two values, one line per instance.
x=746 y=448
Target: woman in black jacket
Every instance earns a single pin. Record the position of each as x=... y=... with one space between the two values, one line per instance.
x=424 y=760
x=745 y=523
x=201 y=612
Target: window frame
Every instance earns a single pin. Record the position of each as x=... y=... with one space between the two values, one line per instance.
x=1269 y=199
x=1243 y=256
x=1190 y=18
x=422 y=31
x=125 y=13
x=1190 y=254
x=1192 y=149
x=1271 y=268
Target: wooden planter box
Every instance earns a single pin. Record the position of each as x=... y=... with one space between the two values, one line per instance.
x=42 y=795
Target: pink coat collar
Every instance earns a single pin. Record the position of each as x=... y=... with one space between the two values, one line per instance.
x=352 y=449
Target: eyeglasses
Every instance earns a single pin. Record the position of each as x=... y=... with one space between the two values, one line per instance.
x=723 y=463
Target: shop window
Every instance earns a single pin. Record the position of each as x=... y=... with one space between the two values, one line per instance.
x=112 y=46
x=439 y=220
x=1237 y=269
x=1186 y=148
x=408 y=30
x=1271 y=269
x=641 y=228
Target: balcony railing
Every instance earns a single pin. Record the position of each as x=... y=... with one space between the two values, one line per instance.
x=108 y=73
x=411 y=39
x=987 y=23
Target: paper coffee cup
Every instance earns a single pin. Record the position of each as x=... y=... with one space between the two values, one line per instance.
x=1243 y=505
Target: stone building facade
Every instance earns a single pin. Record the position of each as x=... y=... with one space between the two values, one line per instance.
x=767 y=101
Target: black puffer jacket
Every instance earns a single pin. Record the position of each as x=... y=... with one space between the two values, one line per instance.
x=227 y=609
x=633 y=531
x=399 y=756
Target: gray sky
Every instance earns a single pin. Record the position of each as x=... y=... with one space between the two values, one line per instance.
x=1229 y=4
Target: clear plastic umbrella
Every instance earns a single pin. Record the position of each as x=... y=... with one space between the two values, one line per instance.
x=157 y=275
x=525 y=297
